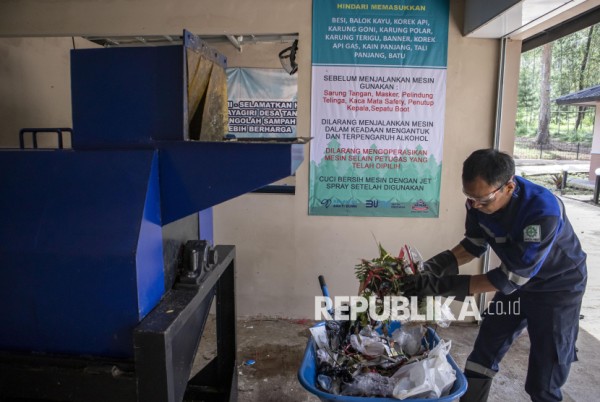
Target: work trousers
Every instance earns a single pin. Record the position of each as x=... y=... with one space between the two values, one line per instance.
x=552 y=321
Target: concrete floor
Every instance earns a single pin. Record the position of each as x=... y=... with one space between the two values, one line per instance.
x=277 y=345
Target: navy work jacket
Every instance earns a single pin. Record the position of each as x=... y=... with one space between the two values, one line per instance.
x=534 y=240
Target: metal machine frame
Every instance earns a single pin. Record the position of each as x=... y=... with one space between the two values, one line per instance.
x=165 y=344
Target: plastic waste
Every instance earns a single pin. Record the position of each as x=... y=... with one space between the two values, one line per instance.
x=323 y=357
x=325 y=382
x=369 y=363
x=319 y=334
x=408 y=339
x=429 y=378
x=367 y=346
x=336 y=333
x=369 y=384
x=415 y=257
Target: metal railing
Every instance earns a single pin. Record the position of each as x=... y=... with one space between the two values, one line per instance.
x=526 y=148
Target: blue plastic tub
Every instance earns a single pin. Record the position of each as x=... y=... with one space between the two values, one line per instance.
x=307 y=375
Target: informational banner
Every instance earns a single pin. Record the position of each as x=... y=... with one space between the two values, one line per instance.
x=378 y=102
x=262 y=102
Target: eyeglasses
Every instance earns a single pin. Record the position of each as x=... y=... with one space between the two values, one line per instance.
x=488 y=198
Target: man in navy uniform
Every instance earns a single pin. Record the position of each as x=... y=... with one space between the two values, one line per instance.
x=542 y=267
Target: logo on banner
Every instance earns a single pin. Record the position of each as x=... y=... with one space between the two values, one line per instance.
x=420 y=206
x=372 y=203
x=326 y=203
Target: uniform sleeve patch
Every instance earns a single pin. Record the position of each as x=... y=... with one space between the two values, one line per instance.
x=532 y=233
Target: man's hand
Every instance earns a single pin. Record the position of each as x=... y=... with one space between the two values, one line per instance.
x=429 y=285
x=442 y=264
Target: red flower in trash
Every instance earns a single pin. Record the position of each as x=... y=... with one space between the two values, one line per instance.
x=420 y=206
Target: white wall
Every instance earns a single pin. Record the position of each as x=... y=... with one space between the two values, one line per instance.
x=280 y=249
x=35 y=86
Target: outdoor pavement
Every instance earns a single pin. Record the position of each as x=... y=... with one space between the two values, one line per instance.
x=532 y=167
x=541 y=166
x=585 y=218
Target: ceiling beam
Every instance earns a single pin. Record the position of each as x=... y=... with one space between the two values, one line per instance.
x=574 y=24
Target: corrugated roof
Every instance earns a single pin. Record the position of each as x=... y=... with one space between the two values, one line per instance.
x=588 y=95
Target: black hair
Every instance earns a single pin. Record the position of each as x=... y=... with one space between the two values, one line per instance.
x=493 y=166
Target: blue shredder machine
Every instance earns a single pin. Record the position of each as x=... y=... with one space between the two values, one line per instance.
x=107 y=263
